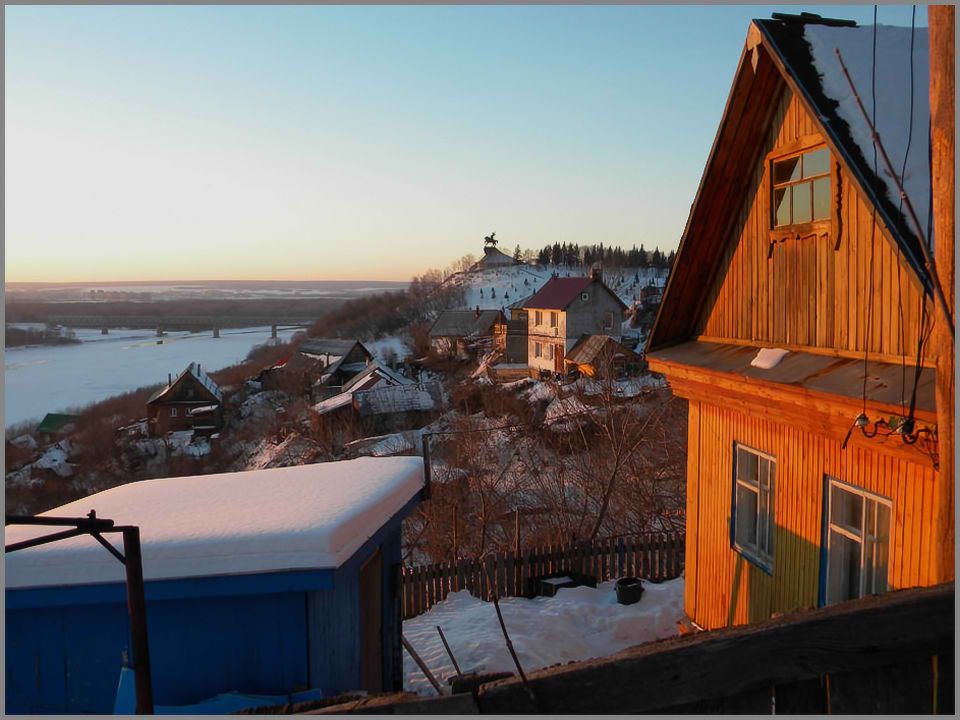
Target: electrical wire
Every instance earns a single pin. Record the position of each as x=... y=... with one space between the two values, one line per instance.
x=903 y=171
x=873 y=222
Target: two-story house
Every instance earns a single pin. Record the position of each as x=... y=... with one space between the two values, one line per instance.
x=564 y=310
x=795 y=323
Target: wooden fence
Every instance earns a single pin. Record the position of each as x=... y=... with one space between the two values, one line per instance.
x=652 y=556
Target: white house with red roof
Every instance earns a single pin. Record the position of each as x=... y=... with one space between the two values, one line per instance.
x=562 y=311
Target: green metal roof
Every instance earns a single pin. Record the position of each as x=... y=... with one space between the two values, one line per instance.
x=54 y=422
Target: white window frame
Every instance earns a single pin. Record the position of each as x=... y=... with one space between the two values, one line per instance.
x=173 y=412
x=584 y=296
x=859 y=535
x=552 y=351
x=760 y=552
x=605 y=325
x=538 y=317
x=538 y=349
x=554 y=319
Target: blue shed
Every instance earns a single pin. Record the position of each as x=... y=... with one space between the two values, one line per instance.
x=263 y=582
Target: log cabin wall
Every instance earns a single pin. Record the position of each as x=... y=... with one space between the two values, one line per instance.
x=811 y=292
x=723 y=588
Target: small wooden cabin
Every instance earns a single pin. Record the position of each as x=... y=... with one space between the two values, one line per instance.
x=454 y=330
x=191 y=401
x=781 y=324
x=263 y=582
x=602 y=356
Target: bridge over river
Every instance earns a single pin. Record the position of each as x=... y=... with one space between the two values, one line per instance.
x=174 y=322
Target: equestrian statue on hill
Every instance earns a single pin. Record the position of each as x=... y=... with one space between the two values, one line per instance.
x=490 y=240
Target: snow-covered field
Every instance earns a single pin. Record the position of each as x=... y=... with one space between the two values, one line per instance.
x=502 y=288
x=51 y=378
x=577 y=624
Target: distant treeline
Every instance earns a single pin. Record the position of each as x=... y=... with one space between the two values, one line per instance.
x=15 y=337
x=573 y=255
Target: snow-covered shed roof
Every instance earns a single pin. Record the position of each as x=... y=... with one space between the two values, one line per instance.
x=194 y=370
x=294 y=518
x=332 y=403
x=398 y=399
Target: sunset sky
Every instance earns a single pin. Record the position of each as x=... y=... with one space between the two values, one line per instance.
x=354 y=143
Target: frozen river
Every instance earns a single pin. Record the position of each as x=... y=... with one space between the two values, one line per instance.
x=38 y=380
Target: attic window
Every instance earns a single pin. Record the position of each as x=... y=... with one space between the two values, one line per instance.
x=801 y=188
x=584 y=296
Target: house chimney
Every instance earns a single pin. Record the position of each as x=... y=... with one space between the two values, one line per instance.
x=168 y=379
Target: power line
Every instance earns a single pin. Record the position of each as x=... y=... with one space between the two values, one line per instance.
x=873 y=222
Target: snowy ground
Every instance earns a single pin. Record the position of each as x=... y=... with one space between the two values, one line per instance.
x=52 y=378
x=577 y=624
x=518 y=282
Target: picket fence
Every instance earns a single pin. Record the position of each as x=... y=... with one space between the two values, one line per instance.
x=651 y=556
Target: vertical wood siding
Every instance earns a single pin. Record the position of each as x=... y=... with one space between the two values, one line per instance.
x=809 y=293
x=725 y=589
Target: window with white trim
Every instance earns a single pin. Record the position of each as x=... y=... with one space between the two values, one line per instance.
x=538 y=349
x=858 y=542
x=754 y=491
x=554 y=319
x=608 y=321
x=550 y=355
x=173 y=412
x=537 y=318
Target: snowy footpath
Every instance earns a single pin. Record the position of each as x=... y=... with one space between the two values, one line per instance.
x=578 y=624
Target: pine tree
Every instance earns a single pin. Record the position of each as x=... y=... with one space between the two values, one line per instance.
x=516 y=255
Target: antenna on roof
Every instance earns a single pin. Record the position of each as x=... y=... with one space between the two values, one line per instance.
x=806 y=18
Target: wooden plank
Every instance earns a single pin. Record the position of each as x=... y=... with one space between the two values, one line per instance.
x=751 y=702
x=905 y=687
x=803 y=697
x=863 y=634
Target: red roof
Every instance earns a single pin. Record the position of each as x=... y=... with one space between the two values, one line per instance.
x=560 y=292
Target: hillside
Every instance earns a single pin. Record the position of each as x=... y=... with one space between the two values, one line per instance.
x=502 y=287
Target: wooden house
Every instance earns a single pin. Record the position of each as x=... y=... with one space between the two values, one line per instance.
x=319 y=367
x=263 y=582
x=454 y=330
x=602 y=356
x=191 y=401
x=57 y=425
x=562 y=311
x=812 y=463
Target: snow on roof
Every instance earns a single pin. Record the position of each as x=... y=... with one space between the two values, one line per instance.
x=293 y=518
x=768 y=358
x=893 y=97
x=333 y=403
x=398 y=399
x=202 y=409
x=380 y=373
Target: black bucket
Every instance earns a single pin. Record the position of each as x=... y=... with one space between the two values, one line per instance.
x=629 y=590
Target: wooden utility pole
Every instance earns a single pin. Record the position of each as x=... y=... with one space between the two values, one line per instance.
x=943 y=169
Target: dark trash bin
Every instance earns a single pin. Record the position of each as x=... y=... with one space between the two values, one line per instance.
x=629 y=590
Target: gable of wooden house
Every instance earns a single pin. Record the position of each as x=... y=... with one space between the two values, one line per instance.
x=789 y=503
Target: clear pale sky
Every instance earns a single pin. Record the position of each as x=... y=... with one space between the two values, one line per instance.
x=348 y=143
